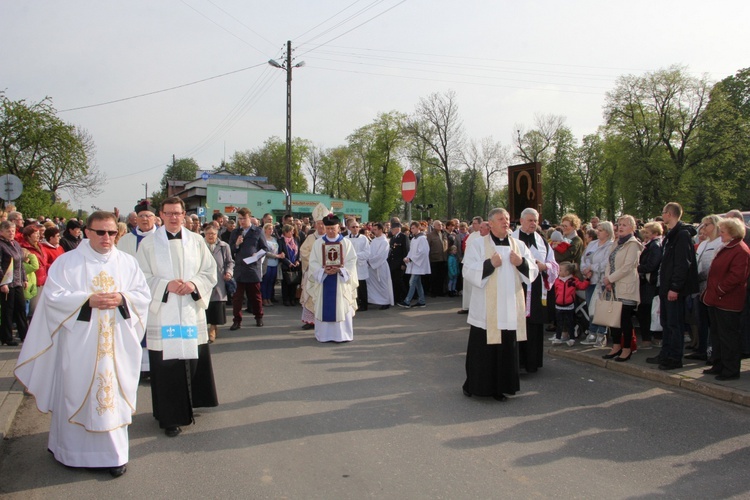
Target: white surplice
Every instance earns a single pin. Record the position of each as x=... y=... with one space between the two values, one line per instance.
x=504 y=300
x=379 y=285
x=86 y=372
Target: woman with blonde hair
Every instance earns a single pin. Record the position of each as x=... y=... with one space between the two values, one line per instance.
x=705 y=254
x=621 y=279
x=593 y=265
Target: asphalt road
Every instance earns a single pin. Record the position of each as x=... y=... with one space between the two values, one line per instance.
x=384 y=417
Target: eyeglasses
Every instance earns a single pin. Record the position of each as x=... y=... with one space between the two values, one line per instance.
x=102 y=232
x=173 y=214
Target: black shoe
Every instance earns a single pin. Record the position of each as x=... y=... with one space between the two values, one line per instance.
x=404 y=304
x=308 y=326
x=501 y=398
x=259 y=322
x=363 y=309
x=622 y=360
x=383 y=308
x=421 y=305
x=11 y=343
x=462 y=311
x=727 y=377
x=656 y=360
x=172 y=431
x=697 y=356
x=118 y=471
x=715 y=370
x=466 y=393
x=613 y=355
x=670 y=364
x=235 y=326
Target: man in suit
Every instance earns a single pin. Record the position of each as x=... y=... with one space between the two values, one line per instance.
x=246 y=241
x=399 y=244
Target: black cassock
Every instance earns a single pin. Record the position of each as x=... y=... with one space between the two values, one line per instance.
x=492 y=369
x=531 y=352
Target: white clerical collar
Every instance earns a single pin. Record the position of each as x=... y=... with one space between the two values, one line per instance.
x=141 y=233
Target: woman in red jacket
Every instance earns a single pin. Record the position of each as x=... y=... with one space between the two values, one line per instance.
x=31 y=243
x=725 y=297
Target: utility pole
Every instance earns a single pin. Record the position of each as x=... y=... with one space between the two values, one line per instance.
x=287 y=66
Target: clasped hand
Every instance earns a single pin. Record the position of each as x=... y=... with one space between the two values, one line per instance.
x=180 y=287
x=331 y=269
x=105 y=300
x=514 y=257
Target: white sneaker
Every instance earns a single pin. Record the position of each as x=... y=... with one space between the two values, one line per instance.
x=589 y=340
x=556 y=341
x=571 y=343
x=552 y=337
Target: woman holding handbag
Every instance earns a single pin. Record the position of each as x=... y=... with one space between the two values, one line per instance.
x=593 y=264
x=291 y=271
x=270 y=265
x=621 y=279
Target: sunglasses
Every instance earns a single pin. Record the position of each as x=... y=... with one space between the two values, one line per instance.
x=102 y=232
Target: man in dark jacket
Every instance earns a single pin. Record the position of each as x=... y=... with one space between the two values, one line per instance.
x=399 y=248
x=246 y=241
x=72 y=235
x=678 y=278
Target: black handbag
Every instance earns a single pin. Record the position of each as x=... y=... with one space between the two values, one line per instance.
x=292 y=277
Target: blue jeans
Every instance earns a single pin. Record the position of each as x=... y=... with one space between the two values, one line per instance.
x=269 y=280
x=415 y=283
x=673 y=324
x=599 y=329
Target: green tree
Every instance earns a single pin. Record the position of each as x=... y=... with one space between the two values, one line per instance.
x=45 y=152
x=182 y=169
x=269 y=160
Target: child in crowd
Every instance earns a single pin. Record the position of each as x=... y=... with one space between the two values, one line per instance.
x=565 y=302
x=558 y=242
x=452 y=270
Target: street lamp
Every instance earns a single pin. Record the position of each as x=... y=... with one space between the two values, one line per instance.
x=287 y=66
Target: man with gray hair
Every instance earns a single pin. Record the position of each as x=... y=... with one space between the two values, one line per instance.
x=531 y=352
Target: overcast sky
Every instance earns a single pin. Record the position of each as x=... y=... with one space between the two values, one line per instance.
x=506 y=61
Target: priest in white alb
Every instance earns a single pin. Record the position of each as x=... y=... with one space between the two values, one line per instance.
x=379 y=285
x=332 y=283
x=497 y=265
x=82 y=355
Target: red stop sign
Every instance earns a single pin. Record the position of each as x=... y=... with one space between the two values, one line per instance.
x=408 y=186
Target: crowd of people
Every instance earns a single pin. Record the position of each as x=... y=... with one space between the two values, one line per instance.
x=155 y=288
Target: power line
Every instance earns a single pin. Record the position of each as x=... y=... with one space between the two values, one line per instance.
x=343 y=21
x=223 y=28
x=453 y=81
x=354 y=28
x=322 y=23
x=243 y=24
x=162 y=90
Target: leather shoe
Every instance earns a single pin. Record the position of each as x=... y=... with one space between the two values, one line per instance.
x=172 y=431
x=259 y=322
x=235 y=326
x=670 y=364
x=462 y=311
x=656 y=360
x=11 y=343
x=715 y=370
x=118 y=471
x=501 y=398
x=466 y=393
x=308 y=326
x=383 y=308
x=727 y=377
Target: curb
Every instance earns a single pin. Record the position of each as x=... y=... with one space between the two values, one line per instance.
x=715 y=391
x=11 y=396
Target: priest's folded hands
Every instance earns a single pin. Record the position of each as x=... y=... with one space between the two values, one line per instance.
x=105 y=300
x=180 y=287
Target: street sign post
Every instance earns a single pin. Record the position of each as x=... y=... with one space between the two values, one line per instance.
x=408 y=190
